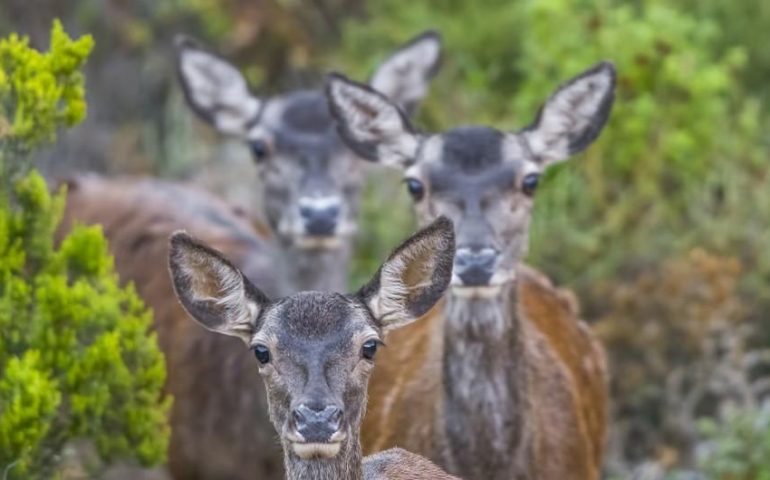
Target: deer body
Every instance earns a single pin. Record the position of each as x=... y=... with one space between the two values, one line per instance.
x=473 y=385
x=137 y=217
x=503 y=380
x=316 y=350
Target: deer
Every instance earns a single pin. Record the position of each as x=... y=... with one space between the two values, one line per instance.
x=204 y=372
x=311 y=180
x=315 y=351
x=311 y=198
x=503 y=379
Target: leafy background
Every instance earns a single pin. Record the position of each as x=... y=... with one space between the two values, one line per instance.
x=662 y=227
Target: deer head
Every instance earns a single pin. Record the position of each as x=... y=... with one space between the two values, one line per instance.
x=482 y=178
x=311 y=180
x=315 y=350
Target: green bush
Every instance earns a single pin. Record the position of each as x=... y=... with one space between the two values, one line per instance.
x=77 y=359
x=40 y=91
x=737 y=447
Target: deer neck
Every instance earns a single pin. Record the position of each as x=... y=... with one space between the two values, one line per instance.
x=485 y=385
x=346 y=465
x=317 y=269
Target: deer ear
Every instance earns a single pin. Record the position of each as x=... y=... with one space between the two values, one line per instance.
x=212 y=290
x=215 y=90
x=404 y=76
x=413 y=278
x=574 y=115
x=369 y=123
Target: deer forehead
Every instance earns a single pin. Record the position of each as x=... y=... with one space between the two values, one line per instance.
x=299 y=125
x=316 y=321
x=473 y=158
x=302 y=113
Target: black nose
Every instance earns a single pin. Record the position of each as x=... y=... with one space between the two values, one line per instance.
x=317 y=425
x=475 y=266
x=320 y=219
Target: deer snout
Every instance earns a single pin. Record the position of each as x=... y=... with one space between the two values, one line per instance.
x=320 y=215
x=317 y=424
x=475 y=265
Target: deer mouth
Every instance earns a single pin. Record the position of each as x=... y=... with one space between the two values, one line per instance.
x=311 y=450
x=318 y=242
x=306 y=449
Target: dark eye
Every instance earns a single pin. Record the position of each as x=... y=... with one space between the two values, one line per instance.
x=369 y=349
x=416 y=188
x=529 y=184
x=259 y=149
x=262 y=353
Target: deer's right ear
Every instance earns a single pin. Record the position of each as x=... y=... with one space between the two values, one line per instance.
x=370 y=124
x=215 y=90
x=212 y=290
x=414 y=278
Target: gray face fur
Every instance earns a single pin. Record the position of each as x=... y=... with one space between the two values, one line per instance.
x=315 y=341
x=311 y=179
x=481 y=178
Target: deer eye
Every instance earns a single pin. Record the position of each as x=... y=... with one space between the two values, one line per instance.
x=262 y=353
x=529 y=184
x=369 y=349
x=416 y=188
x=259 y=149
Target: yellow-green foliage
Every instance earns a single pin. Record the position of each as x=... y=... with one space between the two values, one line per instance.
x=77 y=359
x=30 y=401
x=41 y=92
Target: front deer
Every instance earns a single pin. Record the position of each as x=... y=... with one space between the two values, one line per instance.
x=504 y=381
x=311 y=179
x=316 y=350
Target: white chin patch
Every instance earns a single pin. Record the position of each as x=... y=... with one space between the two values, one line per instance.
x=482 y=291
x=307 y=451
x=307 y=242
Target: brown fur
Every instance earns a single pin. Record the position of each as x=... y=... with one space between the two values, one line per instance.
x=398 y=464
x=566 y=404
x=212 y=378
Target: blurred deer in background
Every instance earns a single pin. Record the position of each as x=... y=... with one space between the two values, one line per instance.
x=503 y=380
x=311 y=198
x=316 y=350
x=311 y=180
x=216 y=406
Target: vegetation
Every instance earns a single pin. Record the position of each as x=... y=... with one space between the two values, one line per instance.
x=661 y=227
x=738 y=446
x=76 y=357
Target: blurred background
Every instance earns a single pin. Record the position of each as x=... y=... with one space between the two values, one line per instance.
x=662 y=228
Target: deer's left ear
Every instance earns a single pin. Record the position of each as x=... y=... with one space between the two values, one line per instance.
x=414 y=278
x=215 y=89
x=404 y=76
x=574 y=115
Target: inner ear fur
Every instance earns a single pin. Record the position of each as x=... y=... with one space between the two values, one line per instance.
x=415 y=276
x=212 y=290
x=573 y=116
x=369 y=123
x=215 y=89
